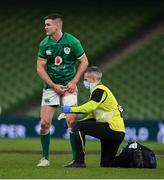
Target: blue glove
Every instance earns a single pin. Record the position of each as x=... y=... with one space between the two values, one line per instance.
x=66 y=109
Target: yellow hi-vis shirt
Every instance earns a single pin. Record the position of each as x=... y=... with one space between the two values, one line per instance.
x=103 y=107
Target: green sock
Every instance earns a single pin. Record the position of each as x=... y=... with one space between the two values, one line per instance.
x=72 y=142
x=45 y=141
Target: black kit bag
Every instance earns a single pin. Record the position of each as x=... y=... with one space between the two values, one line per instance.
x=136 y=155
x=144 y=157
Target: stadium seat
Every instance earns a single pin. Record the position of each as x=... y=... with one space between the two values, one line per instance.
x=99 y=33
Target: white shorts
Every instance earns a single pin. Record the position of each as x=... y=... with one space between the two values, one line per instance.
x=51 y=98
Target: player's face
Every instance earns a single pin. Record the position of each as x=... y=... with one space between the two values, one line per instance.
x=50 y=26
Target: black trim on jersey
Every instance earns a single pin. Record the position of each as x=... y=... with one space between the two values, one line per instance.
x=60 y=38
x=80 y=55
x=97 y=95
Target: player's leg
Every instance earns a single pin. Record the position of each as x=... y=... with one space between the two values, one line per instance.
x=49 y=101
x=71 y=100
x=47 y=113
x=71 y=118
x=79 y=142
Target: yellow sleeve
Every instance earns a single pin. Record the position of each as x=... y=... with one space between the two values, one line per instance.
x=85 y=108
x=89 y=116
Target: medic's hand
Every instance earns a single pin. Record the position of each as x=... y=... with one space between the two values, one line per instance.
x=66 y=109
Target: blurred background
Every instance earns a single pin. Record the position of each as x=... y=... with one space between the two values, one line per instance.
x=124 y=38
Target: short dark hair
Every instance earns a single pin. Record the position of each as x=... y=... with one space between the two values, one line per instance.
x=53 y=16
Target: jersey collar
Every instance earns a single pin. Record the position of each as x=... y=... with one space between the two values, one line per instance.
x=60 y=38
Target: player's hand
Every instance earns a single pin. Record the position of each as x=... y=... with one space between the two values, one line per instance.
x=71 y=87
x=59 y=89
x=66 y=109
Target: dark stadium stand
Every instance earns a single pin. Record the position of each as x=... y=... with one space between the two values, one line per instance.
x=100 y=33
x=138 y=81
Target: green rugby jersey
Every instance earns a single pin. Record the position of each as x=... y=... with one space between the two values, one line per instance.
x=61 y=57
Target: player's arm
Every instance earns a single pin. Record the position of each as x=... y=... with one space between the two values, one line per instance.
x=83 y=64
x=41 y=70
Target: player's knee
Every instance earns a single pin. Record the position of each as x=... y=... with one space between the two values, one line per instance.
x=70 y=124
x=45 y=125
x=71 y=121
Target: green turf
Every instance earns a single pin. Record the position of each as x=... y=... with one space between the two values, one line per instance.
x=21 y=156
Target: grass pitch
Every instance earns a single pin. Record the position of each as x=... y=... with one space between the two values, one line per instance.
x=18 y=159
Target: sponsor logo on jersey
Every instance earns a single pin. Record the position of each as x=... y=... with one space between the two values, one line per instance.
x=48 y=52
x=58 y=60
x=67 y=50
